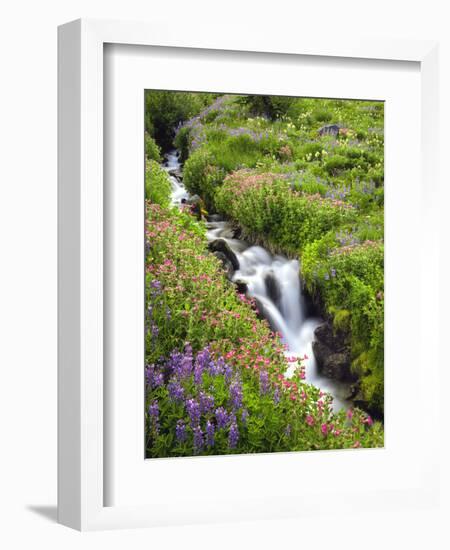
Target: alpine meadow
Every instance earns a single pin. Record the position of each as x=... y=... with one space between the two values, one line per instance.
x=264 y=274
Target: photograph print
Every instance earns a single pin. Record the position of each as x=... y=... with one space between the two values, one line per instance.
x=264 y=274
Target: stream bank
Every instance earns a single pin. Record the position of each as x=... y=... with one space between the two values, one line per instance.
x=273 y=281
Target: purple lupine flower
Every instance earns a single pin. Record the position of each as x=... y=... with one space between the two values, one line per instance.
x=176 y=391
x=221 y=417
x=216 y=367
x=158 y=379
x=180 y=431
x=181 y=363
x=153 y=378
x=193 y=410
x=153 y=411
x=276 y=396
x=198 y=439
x=228 y=372
x=206 y=402
x=149 y=370
x=333 y=272
x=244 y=416
x=203 y=358
x=233 y=436
x=288 y=430
x=155 y=330
x=263 y=382
x=236 y=394
x=210 y=434
x=156 y=284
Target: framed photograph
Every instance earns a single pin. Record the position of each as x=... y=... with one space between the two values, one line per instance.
x=242 y=224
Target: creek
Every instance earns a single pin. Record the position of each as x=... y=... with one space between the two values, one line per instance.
x=273 y=280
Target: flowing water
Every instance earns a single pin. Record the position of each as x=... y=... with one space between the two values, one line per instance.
x=274 y=282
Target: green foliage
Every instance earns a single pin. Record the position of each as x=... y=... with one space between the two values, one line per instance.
x=152 y=151
x=164 y=111
x=272 y=107
x=157 y=184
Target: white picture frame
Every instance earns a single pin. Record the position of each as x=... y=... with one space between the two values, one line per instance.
x=81 y=400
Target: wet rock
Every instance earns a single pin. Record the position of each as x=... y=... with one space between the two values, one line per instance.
x=176 y=173
x=215 y=218
x=329 y=130
x=332 y=353
x=272 y=287
x=241 y=286
x=335 y=365
x=226 y=264
x=227 y=233
x=324 y=333
x=219 y=245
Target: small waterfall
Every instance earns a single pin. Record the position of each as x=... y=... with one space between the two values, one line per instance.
x=179 y=192
x=274 y=282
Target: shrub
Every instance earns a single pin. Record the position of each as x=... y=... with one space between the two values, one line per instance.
x=265 y=207
x=349 y=277
x=157 y=184
x=152 y=151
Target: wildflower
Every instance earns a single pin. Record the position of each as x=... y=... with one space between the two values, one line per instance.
x=209 y=434
x=228 y=372
x=193 y=410
x=176 y=391
x=350 y=414
x=276 y=396
x=324 y=429
x=180 y=431
x=309 y=420
x=368 y=420
x=263 y=382
x=233 y=436
x=288 y=430
x=236 y=394
x=153 y=411
x=244 y=416
x=198 y=439
x=154 y=330
x=206 y=402
x=221 y=417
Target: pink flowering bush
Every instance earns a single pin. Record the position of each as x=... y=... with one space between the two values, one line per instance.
x=266 y=208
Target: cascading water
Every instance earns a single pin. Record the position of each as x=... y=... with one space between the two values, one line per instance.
x=274 y=282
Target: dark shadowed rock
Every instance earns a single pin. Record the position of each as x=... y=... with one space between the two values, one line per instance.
x=332 y=353
x=324 y=333
x=215 y=218
x=335 y=365
x=219 y=245
x=226 y=264
x=241 y=286
x=329 y=130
